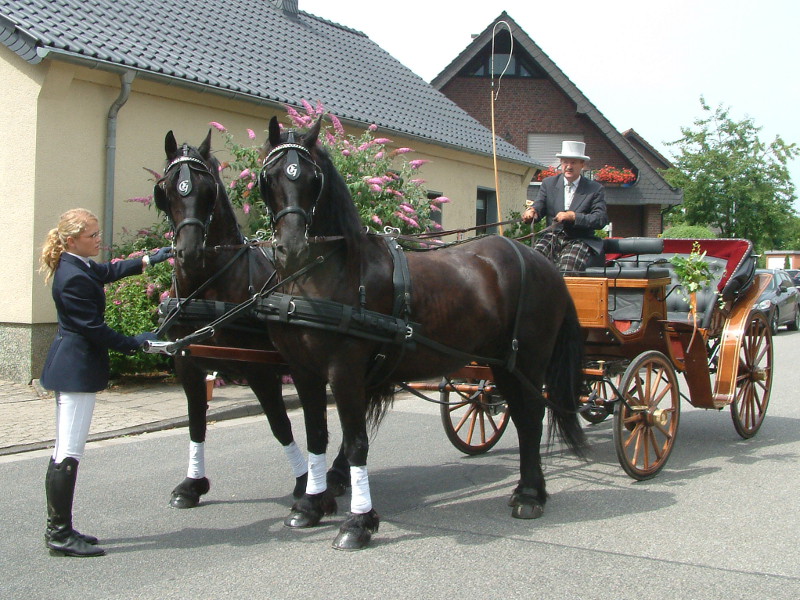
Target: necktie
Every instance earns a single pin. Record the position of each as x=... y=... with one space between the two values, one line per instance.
x=568 y=196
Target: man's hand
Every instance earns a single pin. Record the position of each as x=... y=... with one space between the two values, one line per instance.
x=529 y=216
x=564 y=217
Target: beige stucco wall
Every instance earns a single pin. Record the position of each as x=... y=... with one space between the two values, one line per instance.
x=18 y=99
x=53 y=158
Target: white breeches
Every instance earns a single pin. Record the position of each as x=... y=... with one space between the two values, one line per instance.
x=73 y=418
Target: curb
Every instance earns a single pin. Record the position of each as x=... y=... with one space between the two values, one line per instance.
x=236 y=411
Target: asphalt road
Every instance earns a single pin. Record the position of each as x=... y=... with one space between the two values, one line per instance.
x=721 y=520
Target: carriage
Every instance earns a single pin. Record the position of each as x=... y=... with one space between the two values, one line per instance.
x=338 y=306
x=639 y=334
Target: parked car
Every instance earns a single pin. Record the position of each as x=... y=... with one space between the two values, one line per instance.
x=780 y=302
x=794 y=275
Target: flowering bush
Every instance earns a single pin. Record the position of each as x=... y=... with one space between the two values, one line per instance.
x=548 y=172
x=385 y=187
x=614 y=175
x=132 y=302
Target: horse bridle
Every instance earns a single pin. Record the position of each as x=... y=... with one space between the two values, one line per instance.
x=293 y=152
x=187 y=165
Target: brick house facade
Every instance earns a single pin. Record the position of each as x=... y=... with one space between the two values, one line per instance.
x=539 y=106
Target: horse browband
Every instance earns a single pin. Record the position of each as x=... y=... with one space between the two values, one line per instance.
x=281 y=148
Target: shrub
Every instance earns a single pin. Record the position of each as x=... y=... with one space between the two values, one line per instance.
x=688 y=232
x=384 y=185
x=132 y=302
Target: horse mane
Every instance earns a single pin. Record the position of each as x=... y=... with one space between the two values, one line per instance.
x=336 y=213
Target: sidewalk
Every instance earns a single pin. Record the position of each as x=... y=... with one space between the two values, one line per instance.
x=27 y=413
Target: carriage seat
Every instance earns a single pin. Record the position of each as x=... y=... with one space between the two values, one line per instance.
x=631 y=265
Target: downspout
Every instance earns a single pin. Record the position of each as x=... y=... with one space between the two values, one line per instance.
x=126 y=79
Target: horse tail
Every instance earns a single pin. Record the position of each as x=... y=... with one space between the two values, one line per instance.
x=564 y=379
x=379 y=401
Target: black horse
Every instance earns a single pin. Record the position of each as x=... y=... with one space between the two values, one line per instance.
x=491 y=298
x=213 y=258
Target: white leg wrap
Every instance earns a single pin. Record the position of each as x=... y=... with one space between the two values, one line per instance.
x=296 y=459
x=317 y=470
x=197 y=460
x=360 y=501
x=73 y=418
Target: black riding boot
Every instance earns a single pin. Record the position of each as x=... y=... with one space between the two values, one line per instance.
x=60 y=537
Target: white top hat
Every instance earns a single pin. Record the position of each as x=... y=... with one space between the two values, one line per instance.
x=573 y=150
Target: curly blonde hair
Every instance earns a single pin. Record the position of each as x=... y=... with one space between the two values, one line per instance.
x=70 y=224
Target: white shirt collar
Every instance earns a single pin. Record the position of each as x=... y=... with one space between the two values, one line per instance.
x=575 y=183
x=83 y=258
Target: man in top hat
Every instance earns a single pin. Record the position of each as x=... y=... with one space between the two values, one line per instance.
x=574 y=207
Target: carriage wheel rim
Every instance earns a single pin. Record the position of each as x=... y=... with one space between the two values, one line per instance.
x=645 y=425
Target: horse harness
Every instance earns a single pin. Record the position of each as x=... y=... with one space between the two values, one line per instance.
x=294 y=153
x=187 y=164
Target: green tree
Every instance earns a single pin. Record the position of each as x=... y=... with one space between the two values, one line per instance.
x=731 y=180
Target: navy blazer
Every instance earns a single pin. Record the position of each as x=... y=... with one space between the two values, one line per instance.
x=78 y=357
x=588 y=204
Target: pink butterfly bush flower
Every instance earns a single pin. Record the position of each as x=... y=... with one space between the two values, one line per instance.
x=337 y=125
x=373 y=127
x=416 y=164
x=251 y=134
x=164 y=295
x=246 y=208
x=377 y=220
x=217 y=126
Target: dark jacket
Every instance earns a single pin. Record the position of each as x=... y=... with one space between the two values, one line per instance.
x=78 y=358
x=588 y=204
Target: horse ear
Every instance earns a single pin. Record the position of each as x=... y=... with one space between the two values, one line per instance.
x=170 y=145
x=310 y=139
x=160 y=197
x=274 y=132
x=205 y=147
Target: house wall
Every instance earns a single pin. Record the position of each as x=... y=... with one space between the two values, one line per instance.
x=531 y=106
x=53 y=159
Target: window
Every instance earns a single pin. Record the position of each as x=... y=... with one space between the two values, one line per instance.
x=521 y=64
x=436 y=215
x=486 y=210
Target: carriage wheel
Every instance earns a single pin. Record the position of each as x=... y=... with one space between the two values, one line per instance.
x=475 y=425
x=604 y=393
x=754 y=379
x=645 y=425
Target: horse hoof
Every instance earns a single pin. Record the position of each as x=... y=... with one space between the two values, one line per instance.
x=356 y=532
x=300 y=486
x=527 y=510
x=309 y=510
x=352 y=540
x=187 y=493
x=300 y=520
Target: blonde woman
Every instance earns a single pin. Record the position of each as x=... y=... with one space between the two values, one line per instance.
x=77 y=365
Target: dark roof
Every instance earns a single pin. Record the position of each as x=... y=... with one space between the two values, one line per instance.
x=248 y=49
x=658 y=191
x=656 y=159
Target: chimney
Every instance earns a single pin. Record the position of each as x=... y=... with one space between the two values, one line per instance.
x=289 y=7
